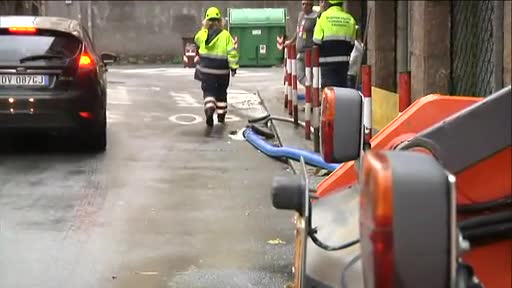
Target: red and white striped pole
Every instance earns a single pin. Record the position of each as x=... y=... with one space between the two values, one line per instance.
x=307 y=114
x=285 y=77
x=295 y=93
x=366 y=78
x=289 y=79
x=404 y=91
x=315 y=62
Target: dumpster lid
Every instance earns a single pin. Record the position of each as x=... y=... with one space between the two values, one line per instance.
x=260 y=16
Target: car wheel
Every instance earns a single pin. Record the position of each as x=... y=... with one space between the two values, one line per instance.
x=96 y=139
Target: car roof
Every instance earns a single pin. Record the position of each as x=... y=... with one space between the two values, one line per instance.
x=43 y=22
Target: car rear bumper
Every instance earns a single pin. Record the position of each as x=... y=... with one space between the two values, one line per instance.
x=58 y=111
x=43 y=121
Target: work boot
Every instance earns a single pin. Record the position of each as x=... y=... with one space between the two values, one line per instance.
x=209 y=115
x=221 y=118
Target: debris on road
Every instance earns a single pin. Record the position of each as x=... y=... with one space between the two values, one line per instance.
x=146 y=273
x=276 y=241
x=237 y=135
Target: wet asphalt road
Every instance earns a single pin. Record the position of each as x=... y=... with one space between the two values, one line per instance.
x=167 y=205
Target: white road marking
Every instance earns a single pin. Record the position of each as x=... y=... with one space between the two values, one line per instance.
x=113 y=117
x=180 y=71
x=118 y=95
x=195 y=119
x=184 y=100
x=232 y=118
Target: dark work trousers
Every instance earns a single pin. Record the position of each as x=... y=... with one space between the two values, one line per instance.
x=215 y=92
x=334 y=74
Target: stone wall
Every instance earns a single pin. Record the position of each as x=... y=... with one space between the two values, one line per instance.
x=151 y=31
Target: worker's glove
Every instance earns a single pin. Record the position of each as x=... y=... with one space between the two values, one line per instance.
x=233 y=72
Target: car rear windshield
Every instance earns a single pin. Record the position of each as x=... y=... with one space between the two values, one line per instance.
x=15 y=47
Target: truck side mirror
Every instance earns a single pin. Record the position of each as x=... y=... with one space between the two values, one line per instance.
x=341 y=130
x=288 y=193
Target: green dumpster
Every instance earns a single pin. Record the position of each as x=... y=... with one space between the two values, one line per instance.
x=259 y=35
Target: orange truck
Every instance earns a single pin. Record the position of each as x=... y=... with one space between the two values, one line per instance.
x=428 y=203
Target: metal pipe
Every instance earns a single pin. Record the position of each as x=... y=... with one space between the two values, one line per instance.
x=289 y=120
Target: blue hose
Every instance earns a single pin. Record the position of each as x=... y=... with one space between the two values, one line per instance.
x=310 y=158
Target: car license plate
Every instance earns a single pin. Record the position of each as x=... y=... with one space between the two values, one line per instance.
x=24 y=80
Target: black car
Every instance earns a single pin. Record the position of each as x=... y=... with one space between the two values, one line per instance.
x=52 y=79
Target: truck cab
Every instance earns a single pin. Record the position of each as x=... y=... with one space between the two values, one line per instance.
x=426 y=203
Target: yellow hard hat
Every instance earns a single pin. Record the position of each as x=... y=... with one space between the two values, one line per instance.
x=213 y=13
x=335 y=1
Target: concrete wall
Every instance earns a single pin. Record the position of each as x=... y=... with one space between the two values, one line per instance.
x=430 y=57
x=149 y=29
x=381 y=44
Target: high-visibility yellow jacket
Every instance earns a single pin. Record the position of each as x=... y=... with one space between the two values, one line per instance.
x=217 y=53
x=335 y=34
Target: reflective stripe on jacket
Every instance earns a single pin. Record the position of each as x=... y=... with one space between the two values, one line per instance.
x=217 y=53
x=335 y=33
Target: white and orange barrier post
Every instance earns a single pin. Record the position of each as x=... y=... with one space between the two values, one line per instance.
x=285 y=77
x=315 y=62
x=295 y=98
x=366 y=78
x=307 y=114
x=289 y=79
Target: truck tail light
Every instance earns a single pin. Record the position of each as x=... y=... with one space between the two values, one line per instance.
x=328 y=112
x=376 y=222
x=404 y=196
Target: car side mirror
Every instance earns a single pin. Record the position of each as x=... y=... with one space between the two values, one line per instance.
x=341 y=130
x=109 y=58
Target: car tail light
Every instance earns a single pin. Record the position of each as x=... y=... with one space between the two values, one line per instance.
x=86 y=115
x=85 y=61
x=22 y=30
x=328 y=112
x=376 y=222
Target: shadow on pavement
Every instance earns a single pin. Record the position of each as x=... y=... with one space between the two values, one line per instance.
x=41 y=143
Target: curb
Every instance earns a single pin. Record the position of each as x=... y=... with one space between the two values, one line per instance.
x=276 y=132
